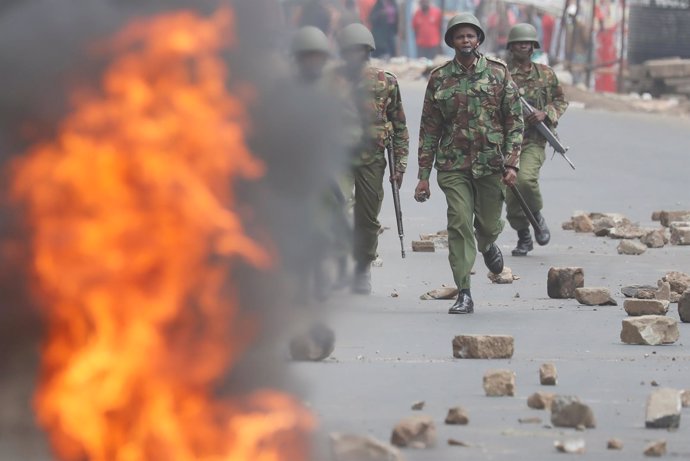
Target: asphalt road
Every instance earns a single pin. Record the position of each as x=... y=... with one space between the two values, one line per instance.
x=394 y=351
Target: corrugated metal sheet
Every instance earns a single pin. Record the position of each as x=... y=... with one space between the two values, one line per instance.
x=658 y=32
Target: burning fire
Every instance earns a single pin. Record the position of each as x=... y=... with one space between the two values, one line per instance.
x=134 y=226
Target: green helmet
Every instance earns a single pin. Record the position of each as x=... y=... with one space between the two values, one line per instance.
x=463 y=19
x=309 y=38
x=523 y=32
x=355 y=35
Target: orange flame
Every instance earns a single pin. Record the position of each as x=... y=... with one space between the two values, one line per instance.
x=131 y=208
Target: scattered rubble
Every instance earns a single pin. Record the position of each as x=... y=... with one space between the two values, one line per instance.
x=655 y=238
x=499 y=383
x=440 y=293
x=576 y=446
x=628 y=231
x=350 y=447
x=663 y=409
x=568 y=411
x=614 y=444
x=679 y=281
x=423 y=246
x=637 y=307
x=504 y=277
x=656 y=449
x=457 y=416
x=314 y=344
x=668 y=217
x=417 y=406
x=415 y=432
x=582 y=223
x=631 y=247
x=651 y=330
x=540 y=400
x=483 y=347
x=440 y=239
x=563 y=281
x=684 y=307
x=548 y=376
x=639 y=291
x=590 y=296
x=680 y=233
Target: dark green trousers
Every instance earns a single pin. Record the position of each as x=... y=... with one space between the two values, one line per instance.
x=531 y=160
x=368 y=180
x=474 y=211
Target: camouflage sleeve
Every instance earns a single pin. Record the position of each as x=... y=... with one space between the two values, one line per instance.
x=557 y=106
x=430 y=130
x=513 y=124
x=396 y=115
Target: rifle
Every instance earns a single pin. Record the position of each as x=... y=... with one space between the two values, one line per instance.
x=525 y=208
x=396 y=194
x=548 y=134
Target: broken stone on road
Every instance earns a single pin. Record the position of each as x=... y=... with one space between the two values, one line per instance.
x=668 y=217
x=483 y=347
x=655 y=239
x=568 y=411
x=638 y=307
x=591 y=296
x=499 y=383
x=614 y=444
x=423 y=246
x=541 y=400
x=440 y=293
x=457 y=416
x=651 y=330
x=631 y=247
x=548 y=376
x=572 y=446
x=563 y=281
x=504 y=277
x=656 y=449
x=684 y=307
x=663 y=409
x=680 y=233
x=415 y=432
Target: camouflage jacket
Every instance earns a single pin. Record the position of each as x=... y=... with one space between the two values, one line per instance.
x=540 y=88
x=379 y=104
x=471 y=120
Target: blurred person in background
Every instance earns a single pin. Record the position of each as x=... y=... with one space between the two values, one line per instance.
x=426 y=24
x=384 y=26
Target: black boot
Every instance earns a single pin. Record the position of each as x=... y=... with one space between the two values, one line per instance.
x=524 y=244
x=361 y=284
x=464 y=303
x=543 y=237
x=493 y=258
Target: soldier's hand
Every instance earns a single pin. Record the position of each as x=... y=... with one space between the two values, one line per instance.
x=510 y=177
x=398 y=178
x=422 y=191
x=536 y=117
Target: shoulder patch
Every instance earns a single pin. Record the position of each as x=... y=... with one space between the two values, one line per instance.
x=496 y=60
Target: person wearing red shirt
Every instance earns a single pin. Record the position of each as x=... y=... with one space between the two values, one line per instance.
x=548 y=23
x=427 y=29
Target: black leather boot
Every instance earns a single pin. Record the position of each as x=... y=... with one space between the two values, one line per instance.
x=361 y=284
x=464 y=303
x=543 y=237
x=524 y=244
x=493 y=258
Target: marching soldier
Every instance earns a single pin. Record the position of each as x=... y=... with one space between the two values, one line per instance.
x=539 y=86
x=471 y=132
x=376 y=95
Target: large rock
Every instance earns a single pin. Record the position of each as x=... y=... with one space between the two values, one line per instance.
x=637 y=307
x=504 y=277
x=668 y=217
x=627 y=231
x=568 y=411
x=590 y=296
x=684 y=307
x=639 y=291
x=483 y=347
x=663 y=409
x=563 y=281
x=548 y=375
x=423 y=246
x=679 y=281
x=582 y=223
x=663 y=293
x=655 y=449
x=415 y=432
x=499 y=383
x=313 y=344
x=541 y=400
x=350 y=447
x=655 y=239
x=457 y=415
x=631 y=247
x=680 y=234
x=602 y=226
x=651 y=330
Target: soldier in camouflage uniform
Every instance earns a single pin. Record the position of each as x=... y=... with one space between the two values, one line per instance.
x=471 y=132
x=539 y=86
x=379 y=106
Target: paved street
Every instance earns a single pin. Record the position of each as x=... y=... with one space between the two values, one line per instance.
x=394 y=351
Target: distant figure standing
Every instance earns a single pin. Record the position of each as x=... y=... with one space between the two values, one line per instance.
x=426 y=24
x=384 y=25
x=548 y=24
